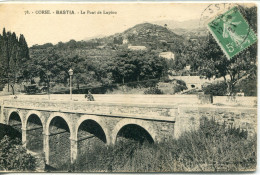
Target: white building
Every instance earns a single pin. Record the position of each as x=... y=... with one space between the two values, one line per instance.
x=136 y=47
x=125 y=41
x=167 y=55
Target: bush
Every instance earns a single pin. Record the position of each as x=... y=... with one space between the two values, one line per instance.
x=216 y=89
x=153 y=90
x=13 y=156
x=143 y=84
x=216 y=147
x=248 y=86
x=180 y=86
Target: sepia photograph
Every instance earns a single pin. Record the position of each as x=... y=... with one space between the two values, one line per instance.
x=129 y=87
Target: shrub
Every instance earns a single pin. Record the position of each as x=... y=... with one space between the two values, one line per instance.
x=153 y=90
x=13 y=156
x=180 y=86
x=143 y=84
x=215 y=147
x=248 y=86
x=216 y=89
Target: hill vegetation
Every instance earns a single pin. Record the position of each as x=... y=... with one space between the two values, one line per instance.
x=108 y=61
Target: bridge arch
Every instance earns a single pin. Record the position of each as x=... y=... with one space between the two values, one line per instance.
x=97 y=120
x=139 y=123
x=57 y=114
x=18 y=113
x=15 y=120
x=38 y=114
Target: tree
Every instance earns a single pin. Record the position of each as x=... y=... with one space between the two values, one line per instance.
x=14 y=53
x=13 y=157
x=137 y=65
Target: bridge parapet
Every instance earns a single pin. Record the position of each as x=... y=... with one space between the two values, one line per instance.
x=141 y=111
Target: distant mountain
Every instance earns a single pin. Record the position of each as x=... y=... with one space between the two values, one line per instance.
x=197 y=32
x=184 y=28
x=188 y=25
x=93 y=37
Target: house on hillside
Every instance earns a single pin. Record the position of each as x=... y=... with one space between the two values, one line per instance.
x=130 y=47
x=167 y=55
x=125 y=41
x=187 y=68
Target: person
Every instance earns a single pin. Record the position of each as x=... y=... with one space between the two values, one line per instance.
x=89 y=96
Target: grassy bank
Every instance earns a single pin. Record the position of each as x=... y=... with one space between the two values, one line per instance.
x=211 y=148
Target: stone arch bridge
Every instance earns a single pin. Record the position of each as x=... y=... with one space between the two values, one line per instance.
x=66 y=129
x=46 y=125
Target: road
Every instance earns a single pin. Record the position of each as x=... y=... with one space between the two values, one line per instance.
x=147 y=99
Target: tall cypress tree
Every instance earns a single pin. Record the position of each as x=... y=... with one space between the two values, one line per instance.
x=14 y=53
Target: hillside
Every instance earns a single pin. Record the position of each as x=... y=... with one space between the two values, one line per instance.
x=102 y=61
x=151 y=36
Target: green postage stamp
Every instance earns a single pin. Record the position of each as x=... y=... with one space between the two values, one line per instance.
x=232 y=32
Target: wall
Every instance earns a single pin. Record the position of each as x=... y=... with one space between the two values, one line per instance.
x=189 y=117
x=238 y=101
x=34 y=140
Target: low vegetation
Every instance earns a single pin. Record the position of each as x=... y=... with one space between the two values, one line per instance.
x=213 y=147
x=13 y=157
x=216 y=89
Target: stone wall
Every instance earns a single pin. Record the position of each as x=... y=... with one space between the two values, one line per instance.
x=34 y=140
x=189 y=118
x=59 y=149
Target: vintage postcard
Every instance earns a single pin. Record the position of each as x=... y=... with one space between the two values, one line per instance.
x=128 y=87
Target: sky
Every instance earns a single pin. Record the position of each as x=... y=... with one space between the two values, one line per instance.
x=52 y=28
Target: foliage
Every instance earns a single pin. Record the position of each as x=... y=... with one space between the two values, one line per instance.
x=214 y=145
x=180 y=86
x=13 y=53
x=13 y=156
x=137 y=65
x=172 y=86
x=144 y=83
x=216 y=89
x=123 y=67
x=9 y=131
x=153 y=90
x=248 y=86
